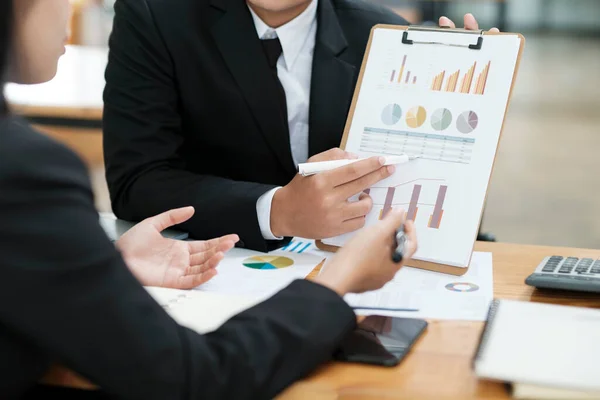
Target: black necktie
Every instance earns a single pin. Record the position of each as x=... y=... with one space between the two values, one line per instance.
x=273 y=50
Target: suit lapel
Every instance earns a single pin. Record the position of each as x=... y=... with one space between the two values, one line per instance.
x=332 y=82
x=235 y=36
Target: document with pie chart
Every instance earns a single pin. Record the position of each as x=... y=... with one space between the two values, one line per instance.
x=259 y=275
x=440 y=96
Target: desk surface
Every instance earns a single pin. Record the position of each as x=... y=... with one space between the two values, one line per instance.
x=439 y=366
x=75 y=92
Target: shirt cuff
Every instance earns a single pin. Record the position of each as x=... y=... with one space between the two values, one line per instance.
x=263 y=209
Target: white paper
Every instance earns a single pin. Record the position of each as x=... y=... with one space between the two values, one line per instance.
x=455 y=134
x=201 y=311
x=435 y=295
x=235 y=274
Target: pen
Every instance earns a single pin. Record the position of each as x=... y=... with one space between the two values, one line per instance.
x=308 y=169
x=386 y=309
x=400 y=238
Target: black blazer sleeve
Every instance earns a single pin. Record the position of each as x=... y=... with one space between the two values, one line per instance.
x=144 y=134
x=67 y=295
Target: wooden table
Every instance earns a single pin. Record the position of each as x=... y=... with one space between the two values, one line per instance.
x=439 y=366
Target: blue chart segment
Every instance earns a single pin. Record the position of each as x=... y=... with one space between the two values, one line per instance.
x=429 y=146
x=391 y=114
x=297 y=246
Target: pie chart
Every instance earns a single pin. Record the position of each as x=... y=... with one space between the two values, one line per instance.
x=467 y=122
x=441 y=119
x=462 y=287
x=268 y=262
x=416 y=116
x=391 y=114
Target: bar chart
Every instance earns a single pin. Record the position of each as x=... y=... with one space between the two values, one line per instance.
x=468 y=84
x=413 y=200
x=429 y=146
x=398 y=76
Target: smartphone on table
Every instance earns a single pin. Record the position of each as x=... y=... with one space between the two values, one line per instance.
x=380 y=340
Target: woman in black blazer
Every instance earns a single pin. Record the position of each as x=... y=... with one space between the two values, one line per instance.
x=68 y=296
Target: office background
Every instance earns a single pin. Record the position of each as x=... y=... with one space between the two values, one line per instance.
x=546 y=185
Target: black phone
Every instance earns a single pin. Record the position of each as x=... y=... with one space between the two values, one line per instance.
x=380 y=340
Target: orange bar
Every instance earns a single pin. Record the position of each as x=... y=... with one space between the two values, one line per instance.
x=466 y=86
x=478 y=84
x=448 y=83
x=402 y=70
x=455 y=83
x=462 y=83
x=451 y=87
x=435 y=81
x=471 y=76
x=487 y=72
x=441 y=81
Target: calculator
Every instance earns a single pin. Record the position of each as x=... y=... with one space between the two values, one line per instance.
x=567 y=273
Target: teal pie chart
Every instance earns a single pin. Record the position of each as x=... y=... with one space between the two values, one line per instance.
x=391 y=114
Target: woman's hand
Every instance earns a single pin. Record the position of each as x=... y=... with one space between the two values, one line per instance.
x=365 y=262
x=469 y=21
x=158 y=261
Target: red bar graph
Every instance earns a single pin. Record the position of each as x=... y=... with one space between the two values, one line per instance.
x=414 y=200
x=438 y=212
x=387 y=205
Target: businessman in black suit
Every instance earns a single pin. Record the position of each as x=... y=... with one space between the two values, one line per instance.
x=212 y=103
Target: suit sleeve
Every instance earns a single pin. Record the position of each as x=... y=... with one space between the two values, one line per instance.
x=66 y=292
x=143 y=138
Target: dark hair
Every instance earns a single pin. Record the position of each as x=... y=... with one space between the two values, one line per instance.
x=6 y=19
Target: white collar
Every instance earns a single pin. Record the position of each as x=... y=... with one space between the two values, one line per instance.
x=292 y=35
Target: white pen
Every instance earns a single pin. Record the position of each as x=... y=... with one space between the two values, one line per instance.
x=308 y=169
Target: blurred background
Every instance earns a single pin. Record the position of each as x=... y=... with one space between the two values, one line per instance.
x=546 y=184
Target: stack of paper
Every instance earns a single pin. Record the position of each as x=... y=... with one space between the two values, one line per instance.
x=434 y=295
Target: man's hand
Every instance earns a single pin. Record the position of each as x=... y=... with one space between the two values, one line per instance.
x=317 y=206
x=158 y=261
x=469 y=20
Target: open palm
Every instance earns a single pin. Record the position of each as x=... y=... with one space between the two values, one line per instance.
x=158 y=261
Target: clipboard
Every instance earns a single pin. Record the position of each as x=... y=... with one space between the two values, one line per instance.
x=407 y=39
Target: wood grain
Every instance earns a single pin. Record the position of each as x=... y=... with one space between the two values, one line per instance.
x=439 y=366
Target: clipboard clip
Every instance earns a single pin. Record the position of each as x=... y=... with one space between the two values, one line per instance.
x=418 y=28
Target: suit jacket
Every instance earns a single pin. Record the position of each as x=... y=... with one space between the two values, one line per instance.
x=191 y=113
x=67 y=297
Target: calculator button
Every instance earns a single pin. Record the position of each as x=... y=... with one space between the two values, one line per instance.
x=595 y=270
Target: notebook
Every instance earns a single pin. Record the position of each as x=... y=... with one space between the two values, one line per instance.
x=545 y=351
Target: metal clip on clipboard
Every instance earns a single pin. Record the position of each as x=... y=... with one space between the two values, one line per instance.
x=476 y=46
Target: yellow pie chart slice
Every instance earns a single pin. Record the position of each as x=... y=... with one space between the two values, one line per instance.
x=416 y=116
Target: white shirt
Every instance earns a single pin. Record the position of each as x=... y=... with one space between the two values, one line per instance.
x=294 y=70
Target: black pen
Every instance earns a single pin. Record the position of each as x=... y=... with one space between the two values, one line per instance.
x=400 y=238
